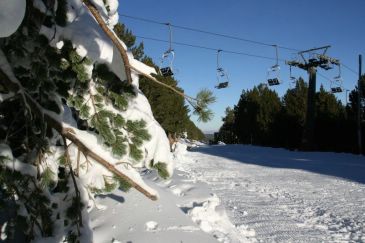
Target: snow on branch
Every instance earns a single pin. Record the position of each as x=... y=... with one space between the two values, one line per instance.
x=70 y=134
x=200 y=105
x=112 y=37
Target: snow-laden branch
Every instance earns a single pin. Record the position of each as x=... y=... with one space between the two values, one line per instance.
x=149 y=76
x=112 y=37
x=70 y=133
x=122 y=51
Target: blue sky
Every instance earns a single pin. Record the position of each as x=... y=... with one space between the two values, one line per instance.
x=296 y=24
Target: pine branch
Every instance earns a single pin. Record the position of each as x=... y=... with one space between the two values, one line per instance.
x=199 y=103
x=112 y=37
x=150 y=77
x=204 y=115
x=78 y=197
x=68 y=133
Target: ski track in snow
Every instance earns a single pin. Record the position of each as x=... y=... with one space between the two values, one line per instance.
x=312 y=199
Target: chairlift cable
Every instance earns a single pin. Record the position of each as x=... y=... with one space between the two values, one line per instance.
x=210 y=48
x=207 y=32
x=220 y=35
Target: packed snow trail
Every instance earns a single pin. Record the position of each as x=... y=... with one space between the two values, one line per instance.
x=286 y=196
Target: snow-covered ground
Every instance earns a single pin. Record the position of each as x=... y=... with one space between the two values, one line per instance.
x=239 y=193
x=286 y=196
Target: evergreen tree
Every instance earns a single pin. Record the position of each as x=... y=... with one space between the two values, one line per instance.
x=226 y=132
x=292 y=117
x=169 y=109
x=254 y=115
x=49 y=165
x=350 y=128
x=330 y=115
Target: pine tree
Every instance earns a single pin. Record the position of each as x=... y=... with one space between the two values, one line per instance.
x=50 y=68
x=169 y=109
x=227 y=133
x=293 y=115
x=330 y=115
x=254 y=115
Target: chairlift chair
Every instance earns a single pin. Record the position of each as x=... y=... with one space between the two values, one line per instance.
x=336 y=84
x=222 y=77
x=336 y=90
x=167 y=58
x=274 y=70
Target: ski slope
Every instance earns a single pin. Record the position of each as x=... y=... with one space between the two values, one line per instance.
x=285 y=196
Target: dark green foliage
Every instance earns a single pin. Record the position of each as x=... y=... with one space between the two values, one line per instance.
x=135 y=152
x=227 y=130
x=129 y=39
x=291 y=119
x=204 y=98
x=168 y=108
x=261 y=118
x=119 y=148
x=35 y=202
x=123 y=184
x=47 y=178
x=162 y=170
x=61 y=18
x=255 y=114
x=72 y=212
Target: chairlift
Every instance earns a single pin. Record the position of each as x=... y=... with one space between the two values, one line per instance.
x=292 y=78
x=222 y=77
x=336 y=89
x=326 y=64
x=336 y=84
x=338 y=77
x=167 y=58
x=274 y=71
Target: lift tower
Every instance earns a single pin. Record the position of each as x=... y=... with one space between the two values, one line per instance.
x=310 y=65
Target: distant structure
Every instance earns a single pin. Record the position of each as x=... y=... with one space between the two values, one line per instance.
x=311 y=65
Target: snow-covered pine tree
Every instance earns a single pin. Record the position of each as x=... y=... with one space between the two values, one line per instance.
x=72 y=119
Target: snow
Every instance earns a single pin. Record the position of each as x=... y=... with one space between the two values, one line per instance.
x=14 y=164
x=238 y=193
x=90 y=40
x=40 y=5
x=285 y=196
x=187 y=211
x=11 y=16
x=131 y=217
x=3 y=236
x=151 y=226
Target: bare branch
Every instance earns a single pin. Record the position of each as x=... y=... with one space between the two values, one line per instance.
x=150 y=77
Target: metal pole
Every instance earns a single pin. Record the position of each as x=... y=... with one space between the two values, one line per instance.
x=308 y=136
x=359 y=89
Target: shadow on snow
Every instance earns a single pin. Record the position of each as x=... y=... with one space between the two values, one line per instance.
x=348 y=166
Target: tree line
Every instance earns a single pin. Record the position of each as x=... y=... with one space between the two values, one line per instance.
x=262 y=118
x=168 y=109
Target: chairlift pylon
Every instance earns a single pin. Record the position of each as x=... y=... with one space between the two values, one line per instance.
x=167 y=57
x=274 y=70
x=222 y=77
